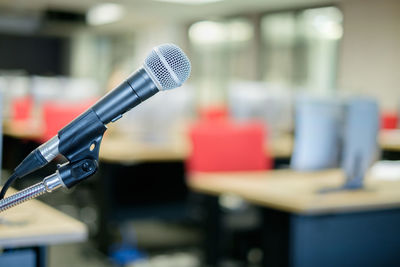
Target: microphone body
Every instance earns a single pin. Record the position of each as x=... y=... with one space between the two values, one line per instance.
x=166 y=67
x=134 y=90
x=130 y=93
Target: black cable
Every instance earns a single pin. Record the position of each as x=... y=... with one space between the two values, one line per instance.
x=7 y=185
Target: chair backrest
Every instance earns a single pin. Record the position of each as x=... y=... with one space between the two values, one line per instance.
x=21 y=108
x=223 y=145
x=214 y=114
x=360 y=139
x=317 y=134
x=398 y=116
x=389 y=120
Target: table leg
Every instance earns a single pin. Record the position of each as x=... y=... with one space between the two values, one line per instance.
x=212 y=229
x=41 y=256
x=103 y=198
x=276 y=236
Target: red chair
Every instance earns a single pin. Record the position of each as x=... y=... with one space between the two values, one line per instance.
x=214 y=114
x=389 y=120
x=219 y=144
x=57 y=115
x=223 y=145
x=21 y=108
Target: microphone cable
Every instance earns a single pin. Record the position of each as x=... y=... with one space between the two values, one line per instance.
x=7 y=185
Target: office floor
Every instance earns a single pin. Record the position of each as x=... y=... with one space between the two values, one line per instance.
x=86 y=255
x=164 y=244
x=82 y=254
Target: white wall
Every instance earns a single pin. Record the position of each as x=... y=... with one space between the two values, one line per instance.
x=370 y=51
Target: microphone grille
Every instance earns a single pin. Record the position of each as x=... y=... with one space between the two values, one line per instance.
x=168 y=66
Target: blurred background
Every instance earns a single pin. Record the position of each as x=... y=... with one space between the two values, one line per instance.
x=289 y=84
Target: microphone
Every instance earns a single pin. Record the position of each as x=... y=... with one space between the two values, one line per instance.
x=165 y=68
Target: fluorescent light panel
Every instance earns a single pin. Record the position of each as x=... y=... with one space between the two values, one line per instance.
x=213 y=32
x=104 y=13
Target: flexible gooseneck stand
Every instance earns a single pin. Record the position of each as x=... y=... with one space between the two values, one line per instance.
x=66 y=176
x=166 y=67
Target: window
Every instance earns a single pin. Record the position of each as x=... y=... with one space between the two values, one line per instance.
x=220 y=53
x=300 y=49
x=292 y=49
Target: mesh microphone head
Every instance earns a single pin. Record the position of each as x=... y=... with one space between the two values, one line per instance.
x=167 y=66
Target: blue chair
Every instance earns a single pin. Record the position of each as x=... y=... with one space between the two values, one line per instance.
x=317 y=134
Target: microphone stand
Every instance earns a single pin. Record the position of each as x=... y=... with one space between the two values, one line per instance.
x=67 y=175
x=79 y=142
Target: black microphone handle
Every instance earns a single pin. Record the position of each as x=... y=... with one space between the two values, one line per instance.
x=134 y=90
x=88 y=128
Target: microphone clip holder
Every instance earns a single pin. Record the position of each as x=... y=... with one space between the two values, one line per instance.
x=82 y=137
x=74 y=173
x=67 y=175
x=79 y=142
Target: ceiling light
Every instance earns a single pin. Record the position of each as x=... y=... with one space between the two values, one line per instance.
x=190 y=2
x=208 y=32
x=104 y=13
x=213 y=32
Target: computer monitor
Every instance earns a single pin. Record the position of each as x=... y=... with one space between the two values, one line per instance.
x=318 y=122
x=360 y=140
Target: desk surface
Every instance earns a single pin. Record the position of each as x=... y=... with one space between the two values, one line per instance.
x=29 y=129
x=390 y=140
x=125 y=149
x=34 y=223
x=297 y=192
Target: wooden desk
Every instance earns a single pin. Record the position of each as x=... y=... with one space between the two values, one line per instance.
x=297 y=192
x=123 y=149
x=281 y=146
x=29 y=129
x=34 y=224
x=390 y=140
x=37 y=225
x=302 y=227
